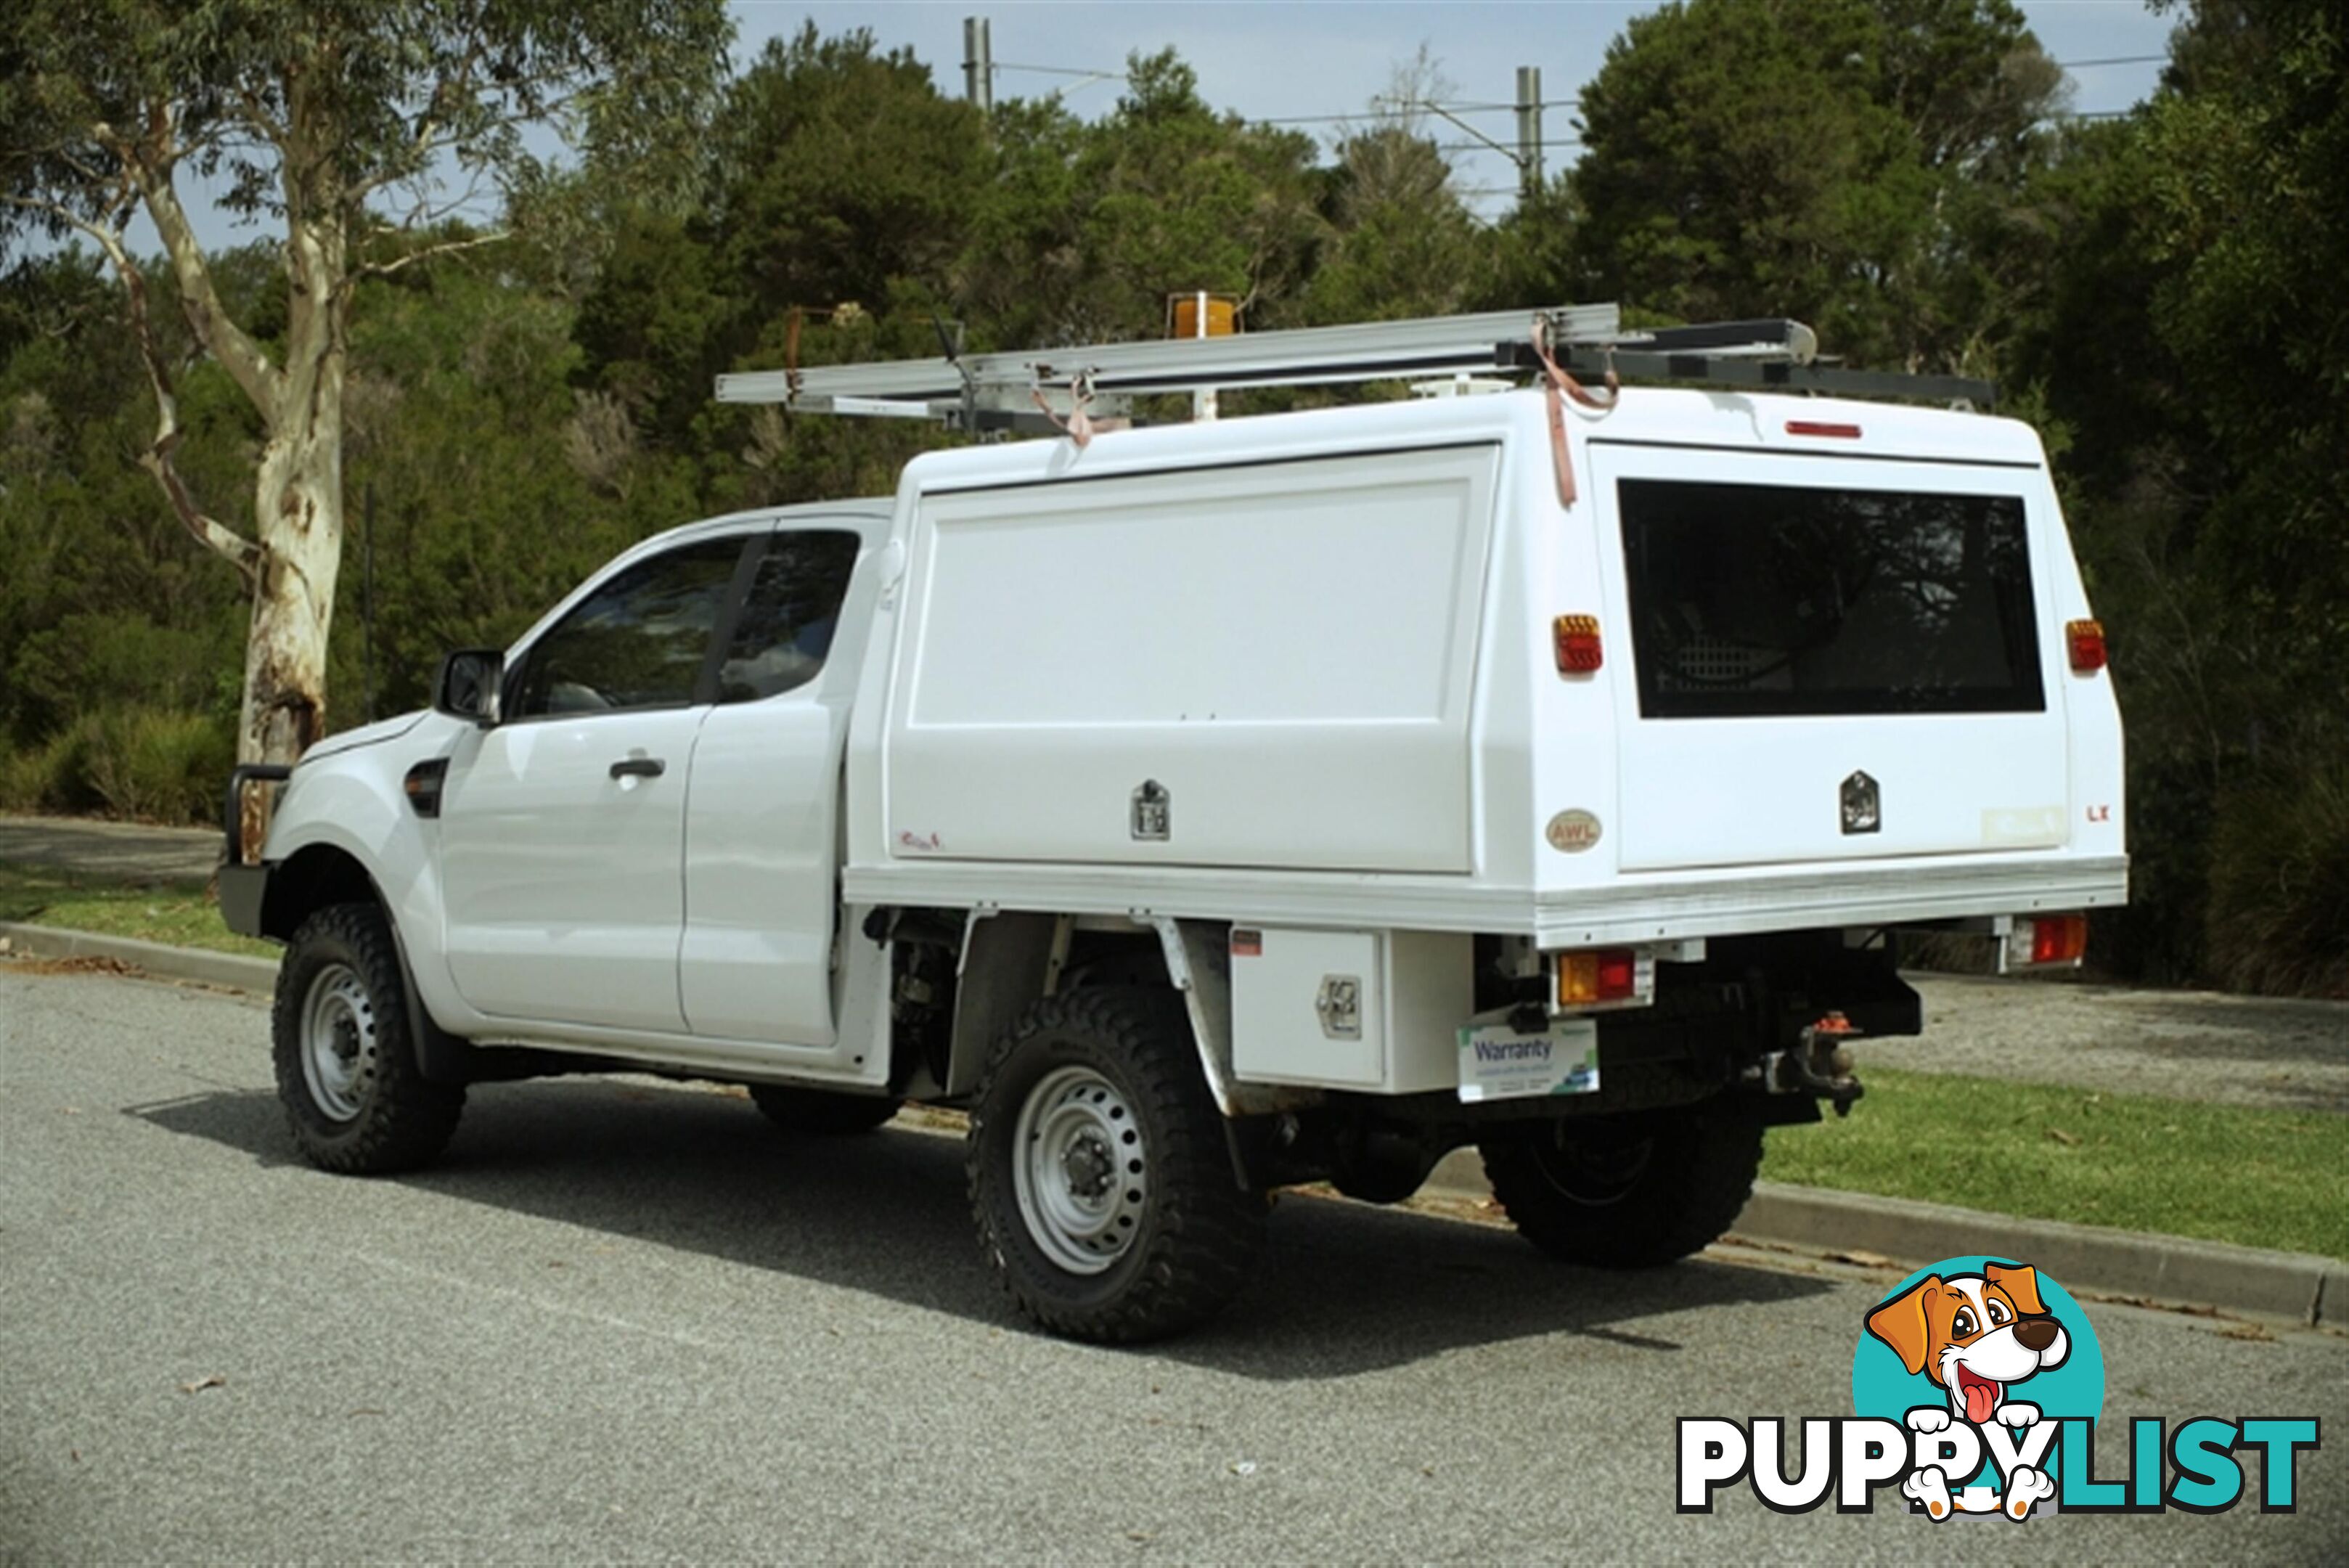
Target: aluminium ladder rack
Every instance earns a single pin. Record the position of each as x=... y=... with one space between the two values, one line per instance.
x=1001 y=390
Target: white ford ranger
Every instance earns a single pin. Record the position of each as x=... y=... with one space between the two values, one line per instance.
x=1219 y=807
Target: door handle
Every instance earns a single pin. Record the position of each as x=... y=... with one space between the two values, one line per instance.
x=638 y=768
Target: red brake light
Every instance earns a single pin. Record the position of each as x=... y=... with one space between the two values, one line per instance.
x=2087 y=640
x=2059 y=938
x=1578 y=652
x=1618 y=974
x=1822 y=428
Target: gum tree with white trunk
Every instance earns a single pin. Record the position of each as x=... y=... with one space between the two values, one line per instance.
x=366 y=136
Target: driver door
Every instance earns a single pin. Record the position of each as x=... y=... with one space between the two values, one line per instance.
x=563 y=828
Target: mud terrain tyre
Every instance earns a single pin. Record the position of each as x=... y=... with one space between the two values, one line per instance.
x=346 y=1068
x=1630 y=1191
x=823 y=1113
x=1100 y=1174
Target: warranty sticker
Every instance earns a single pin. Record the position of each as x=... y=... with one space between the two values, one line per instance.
x=1497 y=1063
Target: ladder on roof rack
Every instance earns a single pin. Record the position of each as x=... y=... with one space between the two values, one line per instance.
x=999 y=390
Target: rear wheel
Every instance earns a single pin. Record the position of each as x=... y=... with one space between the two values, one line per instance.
x=1629 y=1191
x=823 y=1113
x=1100 y=1174
x=355 y=1096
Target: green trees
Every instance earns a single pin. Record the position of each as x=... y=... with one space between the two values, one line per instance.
x=1851 y=155
x=1402 y=241
x=339 y=124
x=2191 y=351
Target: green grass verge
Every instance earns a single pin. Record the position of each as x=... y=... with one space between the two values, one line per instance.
x=174 y=912
x=2222 y=1173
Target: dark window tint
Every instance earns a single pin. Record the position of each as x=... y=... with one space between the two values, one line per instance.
x=639 y=641
x=788 y=616
x=1750 y=599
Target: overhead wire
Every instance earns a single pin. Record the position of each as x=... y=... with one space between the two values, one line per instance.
x=1381 y=108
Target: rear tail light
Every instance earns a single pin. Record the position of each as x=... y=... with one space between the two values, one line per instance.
x=1822 y=428
x=2045 y=939
x=1578 y=652
x=2086 y=639
x=1604 y=975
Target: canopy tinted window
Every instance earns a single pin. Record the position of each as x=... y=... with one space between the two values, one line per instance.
x=1752 y=600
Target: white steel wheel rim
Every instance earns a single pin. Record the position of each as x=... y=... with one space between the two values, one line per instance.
x=338 y=1041
x=1081 y=1169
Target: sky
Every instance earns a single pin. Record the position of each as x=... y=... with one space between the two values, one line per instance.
x=1321 y=62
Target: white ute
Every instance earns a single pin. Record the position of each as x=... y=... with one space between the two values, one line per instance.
x=1217 y=806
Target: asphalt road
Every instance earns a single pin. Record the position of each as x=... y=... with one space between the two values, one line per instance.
x=125 y=849
x=625 y=1322
x=2271 y=1053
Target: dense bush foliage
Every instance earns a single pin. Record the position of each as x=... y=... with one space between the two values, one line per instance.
x=2158 y=292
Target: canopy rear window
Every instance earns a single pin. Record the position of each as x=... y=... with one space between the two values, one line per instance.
x=1752 y=600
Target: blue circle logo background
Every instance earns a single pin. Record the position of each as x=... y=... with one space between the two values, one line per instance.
x=1882 y=1385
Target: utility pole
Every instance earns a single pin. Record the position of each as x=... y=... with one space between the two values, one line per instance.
x=1529 y=131
x=977 y=64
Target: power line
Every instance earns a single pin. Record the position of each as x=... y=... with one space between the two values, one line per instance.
x=1053 y=70
x=1380 y=106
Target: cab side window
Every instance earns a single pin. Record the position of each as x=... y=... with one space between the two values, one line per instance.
x=789 y=614
x=640 y=641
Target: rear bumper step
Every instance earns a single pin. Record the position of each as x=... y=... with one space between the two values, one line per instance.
x=1882 y=892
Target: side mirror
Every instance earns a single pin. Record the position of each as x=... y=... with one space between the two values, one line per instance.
x=469 y=683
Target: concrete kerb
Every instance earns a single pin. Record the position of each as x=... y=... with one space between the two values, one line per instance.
x=154 y=957
x=2166 y=1269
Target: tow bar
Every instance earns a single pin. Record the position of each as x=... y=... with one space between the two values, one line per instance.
x=1820 y=1063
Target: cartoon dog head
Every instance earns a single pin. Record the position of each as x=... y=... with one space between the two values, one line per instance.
x=1973 y=1335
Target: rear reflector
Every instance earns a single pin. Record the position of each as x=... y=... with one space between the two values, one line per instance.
x=1578 y=652
x=2047 y=939
x=2086 y=639
x=1822 y=428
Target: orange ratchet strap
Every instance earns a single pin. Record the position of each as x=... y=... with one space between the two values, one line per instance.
x=1556 y=385
x=1079 y=424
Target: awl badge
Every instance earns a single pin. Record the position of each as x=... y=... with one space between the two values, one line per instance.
x=1978 y=1384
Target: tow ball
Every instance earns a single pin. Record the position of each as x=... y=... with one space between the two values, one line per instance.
x=1820 y=1063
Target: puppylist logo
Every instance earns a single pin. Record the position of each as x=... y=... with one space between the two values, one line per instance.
x=1977 y=1386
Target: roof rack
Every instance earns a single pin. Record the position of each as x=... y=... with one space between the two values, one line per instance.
x=1014 y=389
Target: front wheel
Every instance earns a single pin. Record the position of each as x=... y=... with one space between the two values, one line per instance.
x=347 y=1072
x=1629 y=1191
x=1099 y=1175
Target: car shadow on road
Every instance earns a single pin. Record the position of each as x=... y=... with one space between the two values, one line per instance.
x=1343 y=1288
